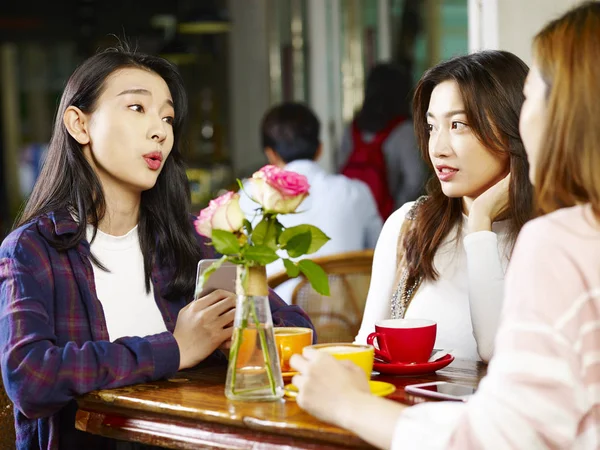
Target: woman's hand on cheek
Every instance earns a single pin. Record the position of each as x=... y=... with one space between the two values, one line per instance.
x=489 y=206
x=328 y=389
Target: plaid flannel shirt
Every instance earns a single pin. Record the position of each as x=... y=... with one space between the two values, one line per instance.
x=54 y=343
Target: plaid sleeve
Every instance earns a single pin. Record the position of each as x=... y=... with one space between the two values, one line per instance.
x=40 y=376
x=285 y=315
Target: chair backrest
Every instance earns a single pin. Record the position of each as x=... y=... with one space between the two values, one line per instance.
x=336 y=318
x=7 y=420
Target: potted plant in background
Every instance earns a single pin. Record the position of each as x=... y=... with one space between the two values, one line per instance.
x=253 y=372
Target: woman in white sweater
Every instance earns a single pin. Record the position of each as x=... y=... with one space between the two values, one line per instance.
x=443 y=258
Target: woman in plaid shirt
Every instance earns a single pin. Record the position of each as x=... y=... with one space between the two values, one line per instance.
x=96 y=280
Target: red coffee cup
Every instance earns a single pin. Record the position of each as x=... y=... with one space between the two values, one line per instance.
x=404 y=340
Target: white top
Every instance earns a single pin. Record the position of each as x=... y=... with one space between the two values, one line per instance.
x=542 y=389
x=465 y=300
x=342 y=208
x=128 y=309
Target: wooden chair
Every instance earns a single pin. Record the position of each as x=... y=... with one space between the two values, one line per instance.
x=336 y=318
x=7 y=420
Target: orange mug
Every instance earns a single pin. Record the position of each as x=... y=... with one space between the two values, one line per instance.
x=291 y=340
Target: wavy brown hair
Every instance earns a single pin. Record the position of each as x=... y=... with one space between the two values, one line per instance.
x=491 y=86
x=567 y=52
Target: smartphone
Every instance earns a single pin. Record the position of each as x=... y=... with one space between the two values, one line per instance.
x=222 y=278
x=441 y=390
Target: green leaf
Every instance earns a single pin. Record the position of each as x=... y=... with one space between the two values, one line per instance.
x=265 y=233
x=278 y=229
x=225 y=242
x=298 y=245
x=291 y=268
x=272 y=234
x=318 y=238
x=204 y=276
x=247 y=227
x=315 y=275
x=259 y=233
x=260 y=254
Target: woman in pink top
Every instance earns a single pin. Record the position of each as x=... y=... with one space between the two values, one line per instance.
x=543 y=384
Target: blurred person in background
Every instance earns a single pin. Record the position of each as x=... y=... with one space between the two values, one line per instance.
x=342 y=208
x=379 y=146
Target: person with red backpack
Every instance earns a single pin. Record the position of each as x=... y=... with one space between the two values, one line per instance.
x=379 y=146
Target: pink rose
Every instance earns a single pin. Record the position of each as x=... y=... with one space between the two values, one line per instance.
x=223 y=213
x=279 y=191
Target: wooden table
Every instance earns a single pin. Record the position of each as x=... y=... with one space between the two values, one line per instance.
x=191 y=411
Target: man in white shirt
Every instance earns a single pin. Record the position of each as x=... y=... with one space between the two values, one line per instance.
x=343 y=208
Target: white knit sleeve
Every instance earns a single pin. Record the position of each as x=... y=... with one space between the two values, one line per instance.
x=382 y=274
x=486 y=288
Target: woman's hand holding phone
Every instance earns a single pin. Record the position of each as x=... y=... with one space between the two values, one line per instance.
x=203 y=326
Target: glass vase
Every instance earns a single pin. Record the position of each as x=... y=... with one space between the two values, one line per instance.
x=254 y=373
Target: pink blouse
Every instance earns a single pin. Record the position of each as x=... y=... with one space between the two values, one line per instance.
x=543 y=384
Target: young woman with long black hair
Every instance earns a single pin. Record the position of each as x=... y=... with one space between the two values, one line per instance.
x=97 y=279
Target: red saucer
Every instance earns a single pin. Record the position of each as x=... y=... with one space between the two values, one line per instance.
x=412 y=368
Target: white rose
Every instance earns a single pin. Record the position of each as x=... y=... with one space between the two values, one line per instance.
x=223 y=213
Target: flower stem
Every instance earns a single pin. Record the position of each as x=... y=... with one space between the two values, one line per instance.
x=263 y=343
x=237 y=343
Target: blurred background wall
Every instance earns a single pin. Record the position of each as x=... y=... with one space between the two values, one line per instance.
x=237 y=58
x=511 y=24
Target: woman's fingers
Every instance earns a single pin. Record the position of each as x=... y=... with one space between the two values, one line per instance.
x=208 y=300
x=217 y=307
x=225 y=319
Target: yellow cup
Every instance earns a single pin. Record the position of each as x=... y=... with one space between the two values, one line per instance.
x=291 y=340
x=361 y=355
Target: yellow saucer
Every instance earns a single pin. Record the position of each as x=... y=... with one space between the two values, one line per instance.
x=378 y=388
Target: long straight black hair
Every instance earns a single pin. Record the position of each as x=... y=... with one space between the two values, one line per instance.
x=67 y=181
